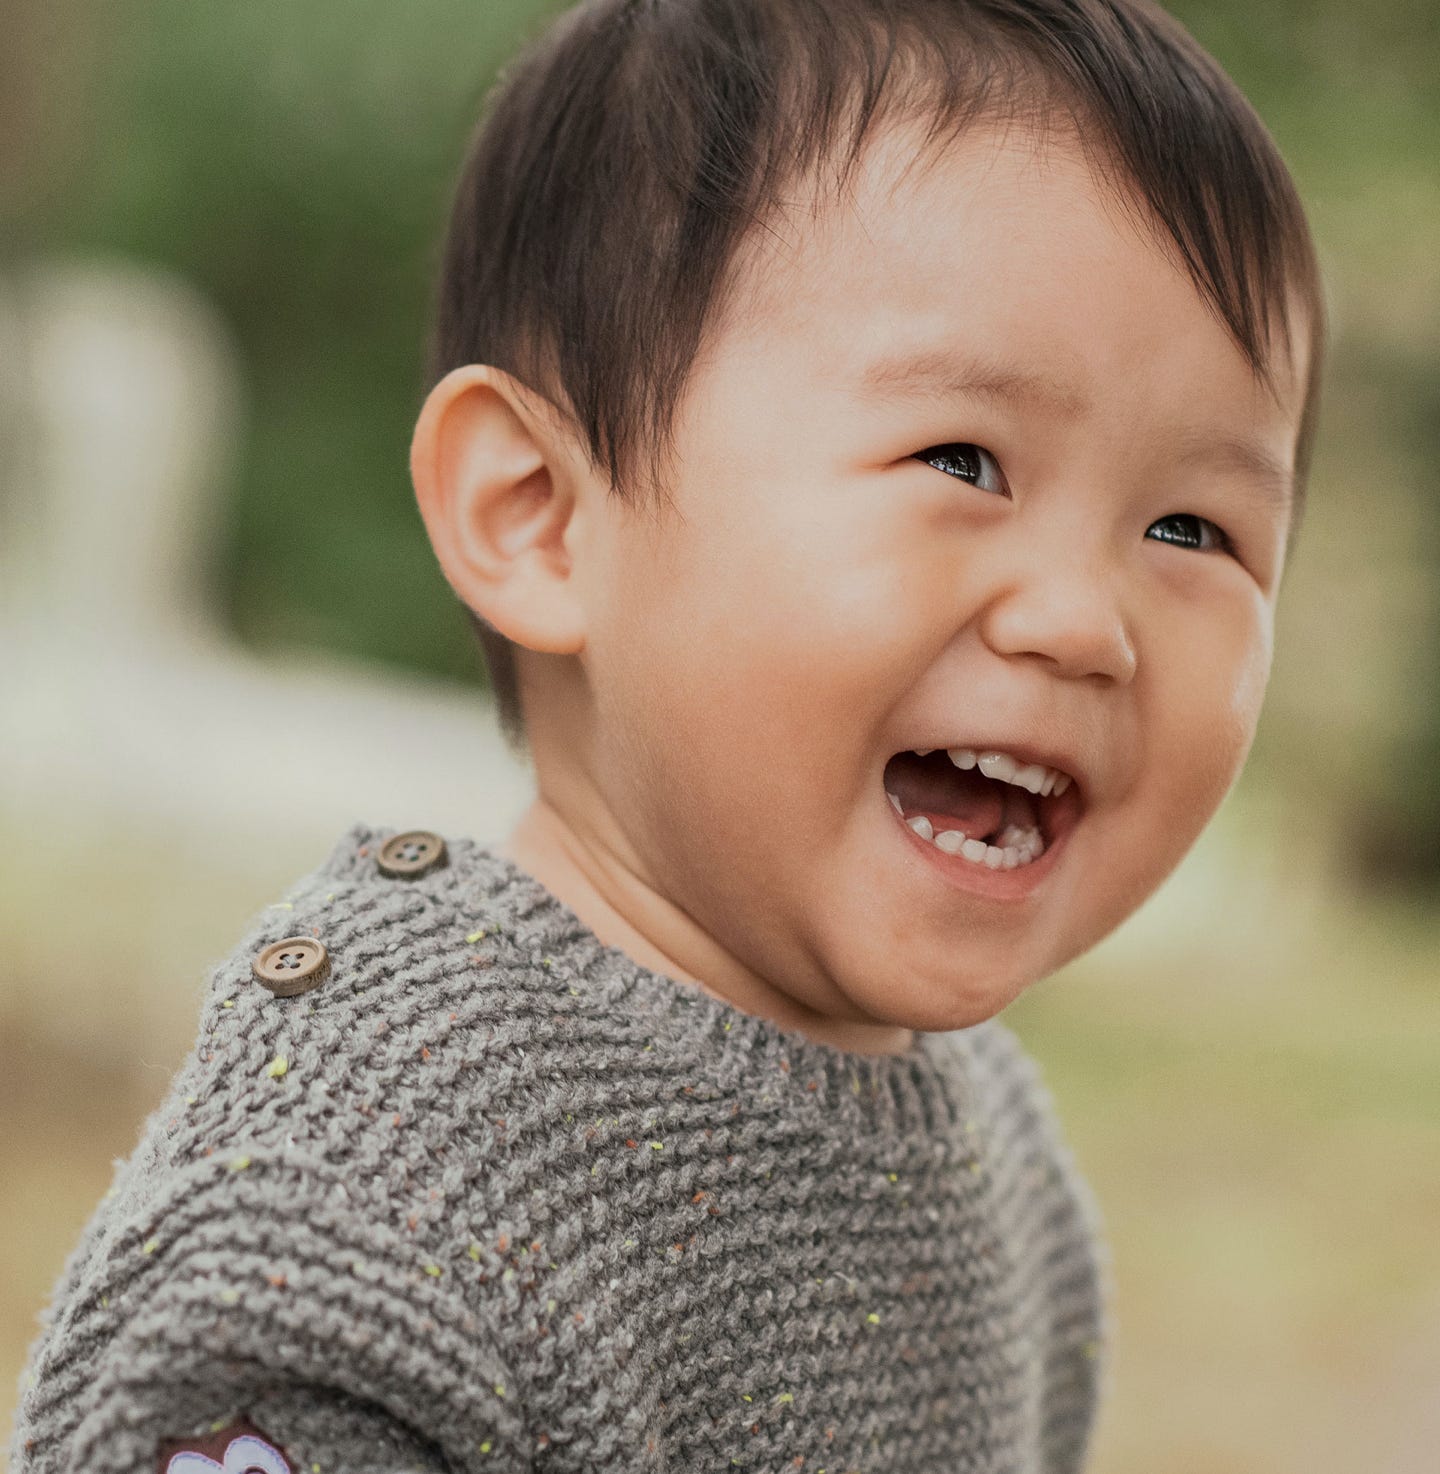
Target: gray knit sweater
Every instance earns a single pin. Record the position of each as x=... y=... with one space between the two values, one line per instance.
x=494 y=1197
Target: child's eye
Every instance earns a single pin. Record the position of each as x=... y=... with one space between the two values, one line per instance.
x=969 y=462
x=1186 y=539
x=959 y=458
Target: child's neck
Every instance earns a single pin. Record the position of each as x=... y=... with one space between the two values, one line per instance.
x=627 y=912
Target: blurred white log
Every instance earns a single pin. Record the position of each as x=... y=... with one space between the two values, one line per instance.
x=159 y=782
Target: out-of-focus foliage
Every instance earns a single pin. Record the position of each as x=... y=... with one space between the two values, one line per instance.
x=295 y=161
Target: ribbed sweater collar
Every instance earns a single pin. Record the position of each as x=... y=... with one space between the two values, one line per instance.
x=925 y=1090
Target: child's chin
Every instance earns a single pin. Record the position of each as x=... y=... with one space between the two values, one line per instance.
x=949 y=1001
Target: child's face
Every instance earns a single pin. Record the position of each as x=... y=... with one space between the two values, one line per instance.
x=823 y=600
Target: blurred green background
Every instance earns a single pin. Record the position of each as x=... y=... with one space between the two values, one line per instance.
x=1266 y=1145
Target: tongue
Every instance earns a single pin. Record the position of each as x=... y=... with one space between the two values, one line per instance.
x=963 y=799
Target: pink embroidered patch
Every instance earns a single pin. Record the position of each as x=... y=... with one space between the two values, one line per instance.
x=238 y=1448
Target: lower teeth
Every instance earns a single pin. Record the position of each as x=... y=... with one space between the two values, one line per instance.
x=1018 y=846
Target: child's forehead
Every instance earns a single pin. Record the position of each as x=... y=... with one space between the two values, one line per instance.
x=1003 y=224
x=905 y=197
x=916 y=229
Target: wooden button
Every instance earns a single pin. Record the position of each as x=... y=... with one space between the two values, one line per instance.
x=411 y=853
x=292 y=965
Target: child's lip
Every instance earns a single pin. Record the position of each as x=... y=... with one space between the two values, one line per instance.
x=1058 y=817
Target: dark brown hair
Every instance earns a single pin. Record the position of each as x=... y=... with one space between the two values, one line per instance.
x=625 y=152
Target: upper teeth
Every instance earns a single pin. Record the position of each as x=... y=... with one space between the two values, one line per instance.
x=1034 y=776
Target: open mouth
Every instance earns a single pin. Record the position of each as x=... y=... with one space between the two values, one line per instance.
x=978 y=814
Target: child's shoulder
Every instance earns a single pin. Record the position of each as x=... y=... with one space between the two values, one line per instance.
x=352 y=1056
x=1030 y=1137
x=368 y=997
x=342 y=1108
x=358 y=1040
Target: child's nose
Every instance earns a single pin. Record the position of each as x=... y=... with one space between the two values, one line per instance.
x=1070 y=610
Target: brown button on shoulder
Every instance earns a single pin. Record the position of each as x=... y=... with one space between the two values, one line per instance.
x=291 y=965
x=412 y=852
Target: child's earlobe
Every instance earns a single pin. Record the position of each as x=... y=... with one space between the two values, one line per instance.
x=498 y=497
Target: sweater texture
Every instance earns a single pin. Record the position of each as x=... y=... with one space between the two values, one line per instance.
x=495 y=1197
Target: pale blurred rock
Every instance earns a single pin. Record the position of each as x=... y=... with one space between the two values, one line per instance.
x=159 y=782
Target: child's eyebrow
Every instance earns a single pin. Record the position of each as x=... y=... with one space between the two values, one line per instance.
x=946 y=374
x=1274 y=482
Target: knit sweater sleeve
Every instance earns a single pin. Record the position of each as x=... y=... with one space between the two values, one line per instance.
x=273 y=1256
x=260 y=1296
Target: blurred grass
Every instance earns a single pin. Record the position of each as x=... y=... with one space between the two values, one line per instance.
x=1266 y=1153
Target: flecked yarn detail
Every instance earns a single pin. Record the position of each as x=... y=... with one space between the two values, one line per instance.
x=513 y=1201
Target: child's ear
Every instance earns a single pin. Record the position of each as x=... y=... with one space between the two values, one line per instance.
x=498 y=490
